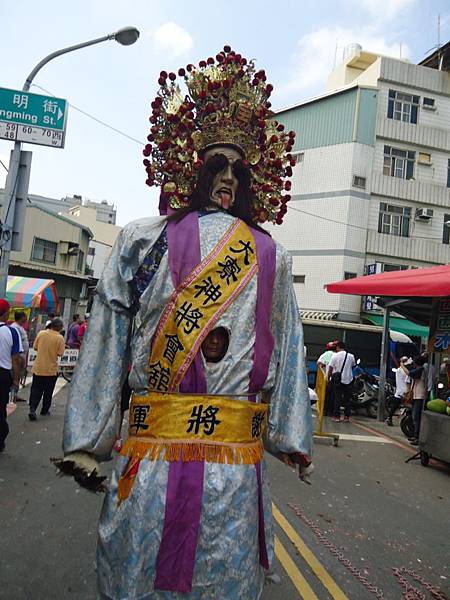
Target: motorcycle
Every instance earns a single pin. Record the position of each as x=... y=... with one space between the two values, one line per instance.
x=406 y=421
x=366 y=391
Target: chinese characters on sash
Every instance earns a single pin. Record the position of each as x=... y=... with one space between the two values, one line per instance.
x=194 y=420
x=197 y=304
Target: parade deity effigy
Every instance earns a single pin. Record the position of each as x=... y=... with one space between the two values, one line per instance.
x=200 y=302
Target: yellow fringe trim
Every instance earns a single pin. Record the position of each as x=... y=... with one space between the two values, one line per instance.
x=172 y=451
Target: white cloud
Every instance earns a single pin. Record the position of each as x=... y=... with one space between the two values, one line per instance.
x=172 y=40
x=318 y=51
x=385 y=11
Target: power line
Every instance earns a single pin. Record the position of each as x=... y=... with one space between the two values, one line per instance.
x=96 y=119
x=420 y=237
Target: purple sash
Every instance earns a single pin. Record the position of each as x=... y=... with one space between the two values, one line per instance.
x=266 y=255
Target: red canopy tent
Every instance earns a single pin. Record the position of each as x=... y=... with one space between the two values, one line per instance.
x=431 y=282
x=408 y=292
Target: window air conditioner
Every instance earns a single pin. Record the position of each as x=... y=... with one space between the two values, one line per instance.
x=71 y=248
x=424 y=214
x=74 y=251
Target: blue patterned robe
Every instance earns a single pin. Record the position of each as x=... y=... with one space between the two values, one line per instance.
x=227 y=558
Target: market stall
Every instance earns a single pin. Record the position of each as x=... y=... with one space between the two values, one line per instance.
x=423 y=296
x=37 y=297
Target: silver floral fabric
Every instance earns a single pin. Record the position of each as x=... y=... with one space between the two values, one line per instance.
x=227 y=559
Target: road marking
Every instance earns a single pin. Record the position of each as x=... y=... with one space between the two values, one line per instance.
x=363 y=438
x=317 y=568
x=386 y=437
x=300 y=583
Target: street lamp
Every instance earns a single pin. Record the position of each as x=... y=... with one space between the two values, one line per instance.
x=125 y=36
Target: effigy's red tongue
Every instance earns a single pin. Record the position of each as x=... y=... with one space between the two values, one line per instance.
x=225 y=199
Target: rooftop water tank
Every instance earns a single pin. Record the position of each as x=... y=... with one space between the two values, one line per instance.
x=351 y=50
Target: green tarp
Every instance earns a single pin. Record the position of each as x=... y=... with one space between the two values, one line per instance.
x=399 y=324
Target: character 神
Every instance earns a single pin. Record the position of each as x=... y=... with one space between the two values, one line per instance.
x=200 y=302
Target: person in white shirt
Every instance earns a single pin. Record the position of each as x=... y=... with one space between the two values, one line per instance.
x=20 y=319
x=402 y=381
x=341 y=362
x=10 y=349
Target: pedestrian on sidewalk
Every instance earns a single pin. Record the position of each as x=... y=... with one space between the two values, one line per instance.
x=401 y=387
x=10 y=364
x=419 y=377
x=72 y=332
x=49 y=346
x=340 y=376
x=20 y=319
x=82 y=329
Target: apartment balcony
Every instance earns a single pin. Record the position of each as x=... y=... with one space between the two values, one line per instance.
x=416 y=249
x=415 y=134
x=410 y=189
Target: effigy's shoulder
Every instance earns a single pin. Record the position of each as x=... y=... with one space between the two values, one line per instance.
x=133 y=243
x=284 y=257
x=143 y=229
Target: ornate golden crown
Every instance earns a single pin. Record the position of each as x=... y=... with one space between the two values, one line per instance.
x=227 y=104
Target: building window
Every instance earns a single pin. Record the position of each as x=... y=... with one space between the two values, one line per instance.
x=348 y=275
x=403 y=107
x=44 y=250
x=91 y=251
x=359 y=182
x=446 y=230
x=80 y=260
x=389 y=267
x=298 y=278
x=429 y=103
x=299 y=157
x=398 y=163
x=394 y=220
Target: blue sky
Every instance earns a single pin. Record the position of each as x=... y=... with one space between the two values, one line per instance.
x=297 y=42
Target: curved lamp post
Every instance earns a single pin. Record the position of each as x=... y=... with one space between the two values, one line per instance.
x=125 y=36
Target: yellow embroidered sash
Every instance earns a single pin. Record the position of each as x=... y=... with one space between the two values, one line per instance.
x=197 y=305
x=191 y=427
x=178 y=423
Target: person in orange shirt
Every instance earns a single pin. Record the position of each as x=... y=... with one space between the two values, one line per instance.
x=49 y=345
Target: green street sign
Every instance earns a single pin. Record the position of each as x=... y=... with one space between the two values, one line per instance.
x=32 y=118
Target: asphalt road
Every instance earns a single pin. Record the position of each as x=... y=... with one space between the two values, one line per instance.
x=365 y=513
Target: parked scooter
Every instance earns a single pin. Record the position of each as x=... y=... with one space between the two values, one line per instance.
x=406 y=421
x=365 y=393
x=366 y=390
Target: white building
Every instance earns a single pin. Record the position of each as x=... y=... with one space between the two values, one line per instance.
x=104 y=237
x=371 y=187
x=55 y=205
x=105 y=212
